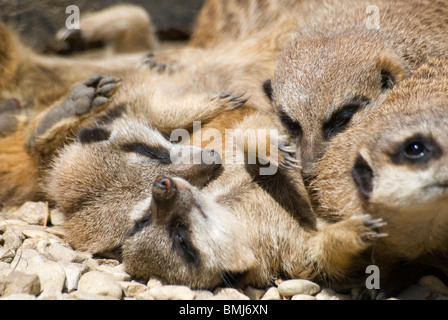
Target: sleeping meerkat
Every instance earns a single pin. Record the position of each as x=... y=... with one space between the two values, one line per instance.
x=236 y=231
x=394 y=168
x=340 y=66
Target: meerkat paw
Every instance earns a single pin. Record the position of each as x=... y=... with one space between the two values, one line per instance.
x=84 y=99
x=151 y=62
x=373 y=225
x=230 y=101
x=287 y=159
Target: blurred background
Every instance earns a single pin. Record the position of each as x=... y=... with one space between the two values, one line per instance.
x=38 y=21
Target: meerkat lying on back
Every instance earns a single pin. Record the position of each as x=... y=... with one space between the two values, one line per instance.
x=238 y=230
x=394 y=168
x=340 y=66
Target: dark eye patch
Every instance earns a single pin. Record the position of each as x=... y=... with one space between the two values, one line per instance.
x=292 y=126
x=91 y=135
x=341 y=118
x=181 y=238
x=267 y=87
x=159 y=154
x=417 y=150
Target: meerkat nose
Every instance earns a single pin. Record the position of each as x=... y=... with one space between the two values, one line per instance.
x=163 y=188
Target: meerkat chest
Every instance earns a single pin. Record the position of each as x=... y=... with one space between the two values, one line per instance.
x=418 y=230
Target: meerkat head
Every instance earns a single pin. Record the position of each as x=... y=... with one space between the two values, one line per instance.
x=323 y=85
x=403 y=166
x=187 y=238
x=103 y=181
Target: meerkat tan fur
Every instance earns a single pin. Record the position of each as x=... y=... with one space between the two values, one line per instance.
x=238 y=230
x=340 y=66
x=393 y=166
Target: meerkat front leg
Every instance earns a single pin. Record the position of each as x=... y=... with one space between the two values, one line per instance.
x=335 y=248
x=183 y=111
x=54 y=126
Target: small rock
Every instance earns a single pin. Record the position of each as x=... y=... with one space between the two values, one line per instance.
x=253 y=293
x=116 y=273
x=82 y=295
x=7 y=255
x=33 y=213
x=95 y=282
x=51 y=274
x=271 y=294
x=50 y=293
x=19 y=282
x=330 y=294
x=172 y=292
x=303 y=297
x=36 y=234
x=298 y=286
x=144 y=296
x=19 y=296
x=59 y=252
x=203 y=294
x=73 y=272
x=415 y=293
x=12 y=238
x=434 y=284
x=230 y=293
x=57 y=217
x=132 y=288
x=155 y=282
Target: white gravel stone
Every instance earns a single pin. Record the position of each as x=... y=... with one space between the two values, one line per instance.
x=19 y=296
x=19 y=282
x=132 y=288
x=33 y=213
x=73 y=272
x=154 y=282
x=230 y=293
x=290 y=288
x=303 y=297
x=271 y=294
x=95 y=282
x=434 y=284
x=172 y=292
x=117 y=273
x=57 y=217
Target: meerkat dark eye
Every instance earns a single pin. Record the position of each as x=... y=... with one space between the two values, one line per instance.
x=293 y=127
x=182 y=244
x=159 y=154
x=342 y=117
x=416 y=150
x=387 y=80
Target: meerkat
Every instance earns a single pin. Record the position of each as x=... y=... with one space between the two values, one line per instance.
x=114 y=142
x=343 y=61
x=123 y=28
x=394 y=168
x=221 y=235
x=233 y=20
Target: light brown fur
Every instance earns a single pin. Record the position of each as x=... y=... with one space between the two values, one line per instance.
x=371 y=174
x=335 y=61
x=238 y=230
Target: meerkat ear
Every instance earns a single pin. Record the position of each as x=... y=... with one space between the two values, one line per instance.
x=391 y=71
x=267 y=87
x=363 y=174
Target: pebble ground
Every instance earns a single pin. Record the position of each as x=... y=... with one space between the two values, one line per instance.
x=37 y=263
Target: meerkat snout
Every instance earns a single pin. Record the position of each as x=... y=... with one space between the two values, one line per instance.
x=163 y=188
